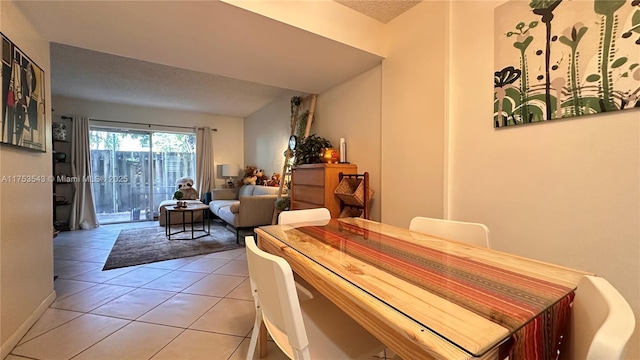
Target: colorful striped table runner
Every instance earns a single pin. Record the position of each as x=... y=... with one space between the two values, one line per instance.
x=534 y=310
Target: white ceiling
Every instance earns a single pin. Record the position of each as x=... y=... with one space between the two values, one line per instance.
x=203 y=56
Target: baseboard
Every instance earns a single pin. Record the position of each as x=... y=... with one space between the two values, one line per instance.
x=13 y=340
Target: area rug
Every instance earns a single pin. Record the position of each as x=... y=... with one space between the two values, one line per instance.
x=150 y=244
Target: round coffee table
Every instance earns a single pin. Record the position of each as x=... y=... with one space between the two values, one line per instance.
x=189 y=209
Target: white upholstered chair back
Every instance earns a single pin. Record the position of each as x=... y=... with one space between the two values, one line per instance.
x=314 y=329
x=471 y=233
x=601 y=322
x=306 y=215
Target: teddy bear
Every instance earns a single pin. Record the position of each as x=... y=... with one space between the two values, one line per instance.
x=261 y=178
x=274 y=181
x=185 y=185
x=249 y=177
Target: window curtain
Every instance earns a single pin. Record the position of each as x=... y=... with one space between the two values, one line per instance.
x=83 y=212
x=204 y=161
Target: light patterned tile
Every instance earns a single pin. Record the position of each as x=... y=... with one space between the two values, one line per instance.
x=176 y=280
x=229 y=254
x=134 y=341
x=273 y=352
x=193 y=344
x=112 y=295
x=181 y=310
x=234 y=267
x=134 y=304
x=242 y=254
x=172 y=264
x=60 y=263
x=91 y=298
x=80 y=267
x=70 y=339
x=16 y=357
x=66 y=287
x=242 y=292
x=206 y=265
x=50 y=319
x=228 y=316
x=138 y=277
x=98 y=275
x=215 y=285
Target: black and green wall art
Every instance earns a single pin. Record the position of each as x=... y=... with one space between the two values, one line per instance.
x=558 y=59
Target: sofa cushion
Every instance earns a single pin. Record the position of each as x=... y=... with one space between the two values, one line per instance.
x=235 y=208
x=246 y=190
x=226 y=215
x=224 y=194
x=265 y=190
x=216 y=205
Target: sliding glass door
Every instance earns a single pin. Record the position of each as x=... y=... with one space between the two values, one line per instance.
x=174 y=157
x=134 y=171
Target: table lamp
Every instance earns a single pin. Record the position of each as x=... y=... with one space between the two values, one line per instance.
x=230 y=171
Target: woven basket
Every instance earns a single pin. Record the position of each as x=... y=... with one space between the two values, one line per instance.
x=351 y=212
x=351 y=191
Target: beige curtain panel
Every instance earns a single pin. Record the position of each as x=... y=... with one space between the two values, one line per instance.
x=83 y=212
x=205 y=168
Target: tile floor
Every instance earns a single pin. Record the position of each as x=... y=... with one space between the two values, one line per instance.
x=192 y=308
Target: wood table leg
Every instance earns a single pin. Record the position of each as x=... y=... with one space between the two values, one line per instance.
x=262 y=340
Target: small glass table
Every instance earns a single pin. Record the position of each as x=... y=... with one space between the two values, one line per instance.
x=206 y=220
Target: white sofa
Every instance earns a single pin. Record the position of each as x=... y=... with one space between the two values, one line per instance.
x=247 y=207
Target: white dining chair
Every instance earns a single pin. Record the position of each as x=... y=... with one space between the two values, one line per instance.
x=317 y=216
x=313 y=329
x=305 y=215
x=471 y=233
x=602 y=322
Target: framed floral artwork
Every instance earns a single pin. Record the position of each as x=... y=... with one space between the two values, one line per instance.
x=558 y=59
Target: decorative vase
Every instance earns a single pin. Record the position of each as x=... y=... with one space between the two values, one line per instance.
x=330 y=155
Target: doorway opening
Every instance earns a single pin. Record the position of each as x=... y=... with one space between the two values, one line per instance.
x=133 y=171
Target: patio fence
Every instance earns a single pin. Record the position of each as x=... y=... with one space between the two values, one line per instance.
x=122 y=179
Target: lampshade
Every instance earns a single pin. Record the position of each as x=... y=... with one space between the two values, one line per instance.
x=229 y=170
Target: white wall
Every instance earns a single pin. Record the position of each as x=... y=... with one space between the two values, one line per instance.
x=26 y=248
x=266 y=134
x=228 y=146
x=567 y=191
x=352 y=110
x=414 y=79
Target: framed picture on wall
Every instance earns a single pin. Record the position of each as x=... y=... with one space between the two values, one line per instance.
x=557 y=59
x=22 y=120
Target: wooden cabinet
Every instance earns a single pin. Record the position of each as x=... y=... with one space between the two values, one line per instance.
x=313 y=186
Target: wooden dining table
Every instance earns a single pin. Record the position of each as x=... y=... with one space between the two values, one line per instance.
x=427 y=297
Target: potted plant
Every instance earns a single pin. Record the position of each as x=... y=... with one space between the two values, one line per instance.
x=309 y=149
x=178 y=195
x=282 y=203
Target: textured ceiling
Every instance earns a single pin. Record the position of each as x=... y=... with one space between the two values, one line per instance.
x=92 y=75
x=381 y=10
x=203 y=56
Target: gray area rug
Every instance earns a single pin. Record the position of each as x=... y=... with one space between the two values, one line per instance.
x=150 y=244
